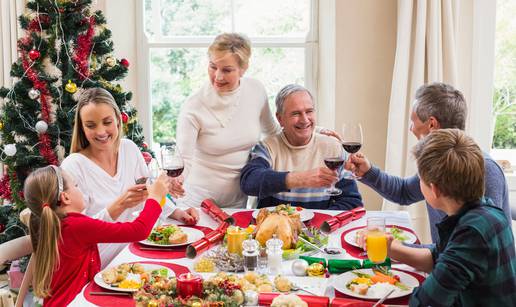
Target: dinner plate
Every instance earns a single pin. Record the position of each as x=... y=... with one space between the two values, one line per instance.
x=342 y=280
x=304 y=215
x=147 y=267
x=192 y=234
x=350 y=236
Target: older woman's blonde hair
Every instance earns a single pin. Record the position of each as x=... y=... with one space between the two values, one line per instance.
x=234 y=43
x=95 y=95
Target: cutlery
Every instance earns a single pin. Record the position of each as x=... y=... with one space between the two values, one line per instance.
x=312 y=245
x=298 y=288
x=111 y=293
x=156 y=248
x=383 y=298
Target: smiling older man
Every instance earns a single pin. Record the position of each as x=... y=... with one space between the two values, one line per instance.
x=289 y=167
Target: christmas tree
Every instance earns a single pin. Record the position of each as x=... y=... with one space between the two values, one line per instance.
x=66 y=49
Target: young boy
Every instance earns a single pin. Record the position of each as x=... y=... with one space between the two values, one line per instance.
x=474 y=262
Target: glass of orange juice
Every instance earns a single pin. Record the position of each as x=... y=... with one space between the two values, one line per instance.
x=235 y=238
x=376 y=241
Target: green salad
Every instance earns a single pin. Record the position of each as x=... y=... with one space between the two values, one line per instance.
x=318 y=238
x=161 y=234
x=398 y=234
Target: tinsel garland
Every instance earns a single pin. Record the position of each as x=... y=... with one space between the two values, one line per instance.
x=5 y=188
x=44 y=141
x=84 y=43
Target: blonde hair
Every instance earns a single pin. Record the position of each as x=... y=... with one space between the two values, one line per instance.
x=453 y=162
x=234 y=43
x=96 y=96
x=42 y=192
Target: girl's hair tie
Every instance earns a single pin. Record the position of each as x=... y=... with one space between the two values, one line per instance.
x=45 y=205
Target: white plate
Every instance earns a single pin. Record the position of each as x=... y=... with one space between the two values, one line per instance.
x=193 y=235
x=147 y=267
x=305 y=215
x=342 y=280
x=350 y=237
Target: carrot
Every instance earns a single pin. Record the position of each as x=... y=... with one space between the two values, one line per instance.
x=379 y=277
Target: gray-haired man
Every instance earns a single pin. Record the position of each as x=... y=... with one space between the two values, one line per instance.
x=436 y=106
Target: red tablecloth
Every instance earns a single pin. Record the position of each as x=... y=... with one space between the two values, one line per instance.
x=164 y=252
x=244 y=218
x=359 y=253
x=117 y=301
x=396 y=301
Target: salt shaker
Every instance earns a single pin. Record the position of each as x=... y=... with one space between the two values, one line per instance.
x=250 y=253
x=274 y=255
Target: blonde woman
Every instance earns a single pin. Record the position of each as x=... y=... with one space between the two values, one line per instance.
x=105 y=166
x=220 y=123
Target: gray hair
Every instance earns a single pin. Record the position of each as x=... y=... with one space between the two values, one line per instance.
x=443 y=102
x=286 y=91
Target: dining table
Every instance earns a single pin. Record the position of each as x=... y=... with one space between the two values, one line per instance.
x=178 y=262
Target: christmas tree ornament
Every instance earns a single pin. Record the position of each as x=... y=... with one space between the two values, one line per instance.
x=111 y=61
x=145 y=145
x=71 y=87
x=1 y=125
x=124 y=62
x=125 y=117
x=10 y=149
x=299 y=267
x=34 y=54
x=60 y=152
x=316 y=270
x=34 y=93
x=41 y=127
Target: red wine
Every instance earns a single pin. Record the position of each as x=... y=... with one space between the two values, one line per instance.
x=174 y=172
x=333 y=163
x=351 y=147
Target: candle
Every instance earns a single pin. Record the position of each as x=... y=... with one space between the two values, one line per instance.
x=189 y=285
x=236 y=237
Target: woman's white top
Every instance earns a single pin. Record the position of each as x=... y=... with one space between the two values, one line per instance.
x=215 y=134
x=100 y=189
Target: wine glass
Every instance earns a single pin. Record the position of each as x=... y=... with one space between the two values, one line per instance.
x=171 y=160
x=335 y=164
x=352 y=140
x=154 y=170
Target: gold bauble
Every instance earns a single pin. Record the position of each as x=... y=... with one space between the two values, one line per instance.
x=71 y=87
x=196 y=304
x=111 y=61
x=315 y=269
x=1 y=125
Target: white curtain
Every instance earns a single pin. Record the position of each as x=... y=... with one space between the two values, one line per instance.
x=425 y=52
x=9 y=33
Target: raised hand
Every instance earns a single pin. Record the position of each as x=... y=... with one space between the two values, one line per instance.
x=134 y=196
x=175 y=187
x=358 y=164
x=314 y=178
x=159 y=189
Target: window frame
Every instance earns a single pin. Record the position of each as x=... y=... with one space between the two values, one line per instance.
x=144 y=45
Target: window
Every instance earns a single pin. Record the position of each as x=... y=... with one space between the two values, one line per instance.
x=176 y=34
x=504 y=98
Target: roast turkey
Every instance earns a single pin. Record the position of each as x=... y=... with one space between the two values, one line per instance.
x=286 y=226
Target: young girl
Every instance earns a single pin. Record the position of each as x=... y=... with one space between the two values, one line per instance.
x=65 y=241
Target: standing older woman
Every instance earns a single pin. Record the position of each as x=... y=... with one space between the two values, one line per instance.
x=105 y=166
x=220 y=123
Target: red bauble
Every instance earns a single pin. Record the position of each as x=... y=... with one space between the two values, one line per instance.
x=144 y=145
x=124 y=62
x=147 y=157
x=125 y=117
x=34 y=54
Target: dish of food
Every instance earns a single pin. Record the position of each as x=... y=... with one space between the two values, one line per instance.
x=129 y=277
x=304 y=215
x=373 y=284
x=172 y=235
x=398 y=233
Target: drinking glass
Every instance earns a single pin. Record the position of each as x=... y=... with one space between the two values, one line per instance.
x=154 y=170
x=171 y=160
x=335 y=164
x=376 y=241
x=352 y=140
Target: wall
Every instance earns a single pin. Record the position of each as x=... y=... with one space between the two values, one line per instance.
x=365 y=44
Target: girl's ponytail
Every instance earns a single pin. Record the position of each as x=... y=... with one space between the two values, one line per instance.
x=46 y=253
x=42 y=192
